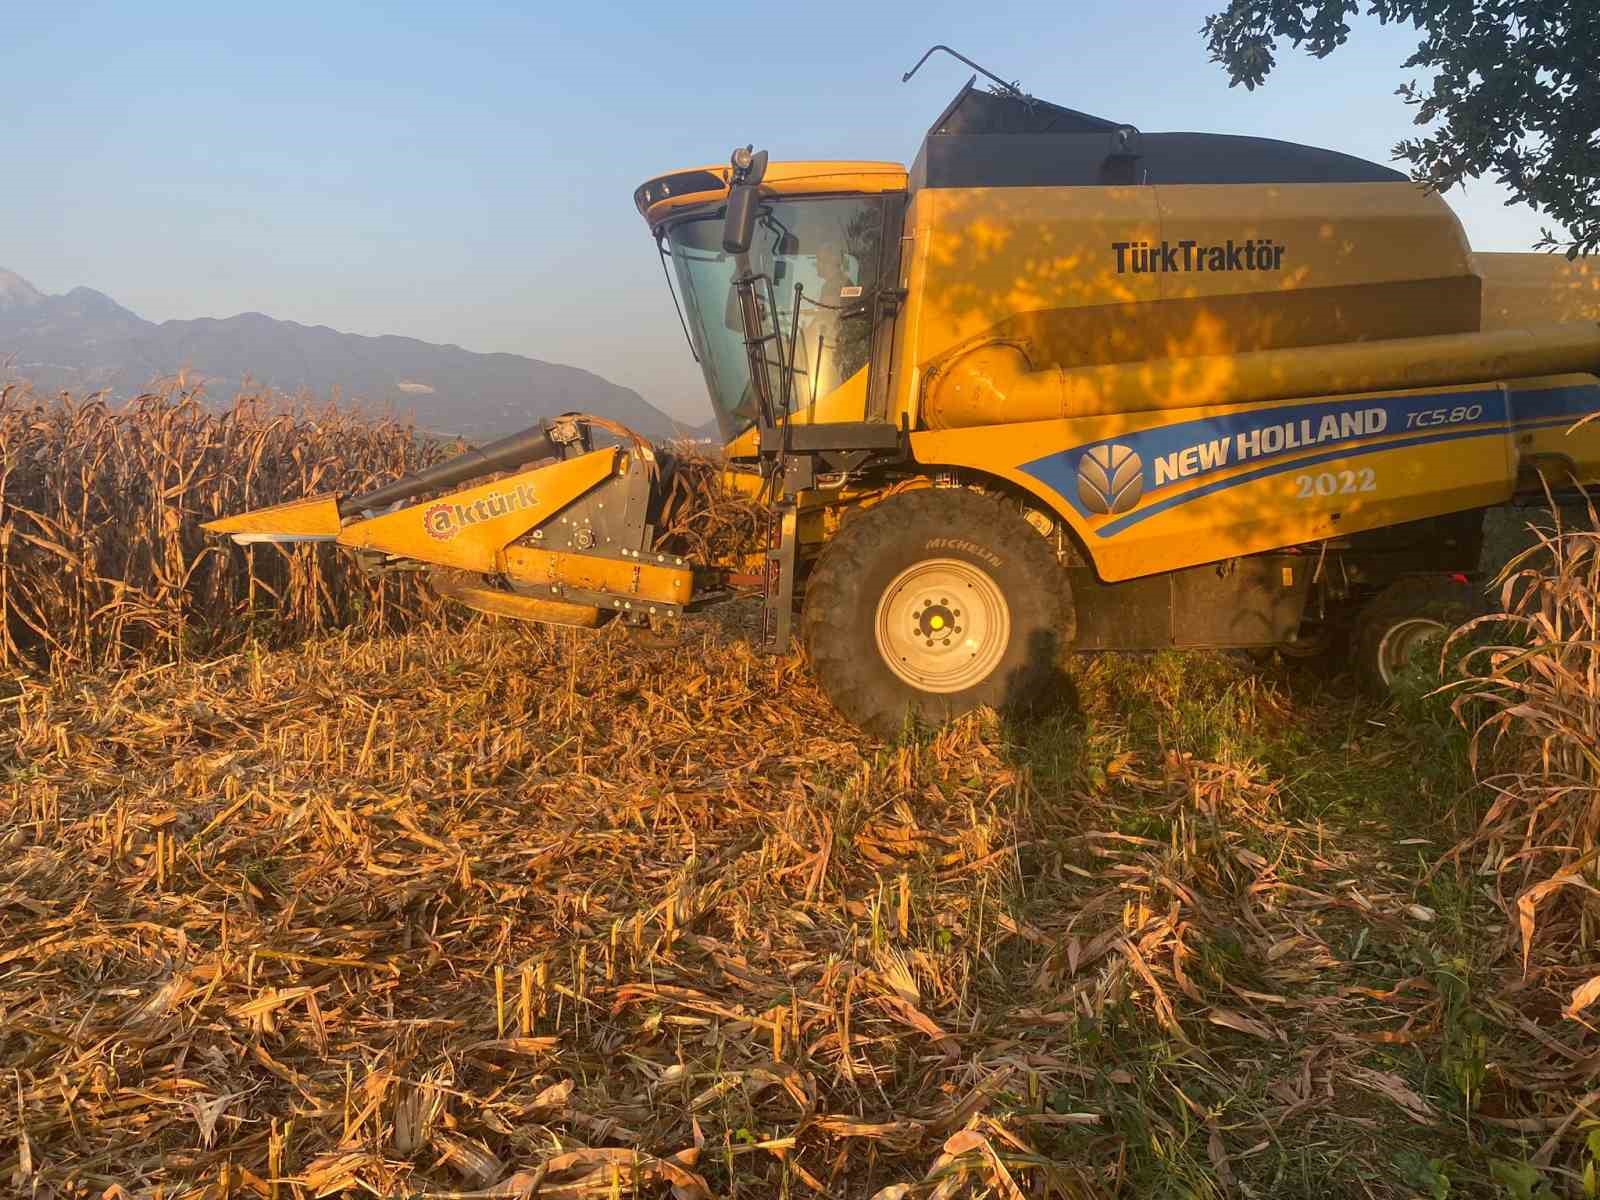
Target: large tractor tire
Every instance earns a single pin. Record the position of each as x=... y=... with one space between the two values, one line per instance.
x=1401 y=626
x=932 y=603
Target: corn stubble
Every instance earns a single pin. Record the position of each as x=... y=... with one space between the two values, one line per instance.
x=505 y=914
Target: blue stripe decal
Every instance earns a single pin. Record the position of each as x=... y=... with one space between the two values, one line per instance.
x=1190 y=450
x=1116 y=527
x=1570 y=402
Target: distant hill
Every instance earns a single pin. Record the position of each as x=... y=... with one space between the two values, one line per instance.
x=85 y=341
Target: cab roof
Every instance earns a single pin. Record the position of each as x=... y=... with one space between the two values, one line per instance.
x=659 y=198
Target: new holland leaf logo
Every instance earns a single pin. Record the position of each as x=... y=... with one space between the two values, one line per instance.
x=1110 y=479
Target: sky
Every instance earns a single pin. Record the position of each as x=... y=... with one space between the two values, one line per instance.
x=463 y=172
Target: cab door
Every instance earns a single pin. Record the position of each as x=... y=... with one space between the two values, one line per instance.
x=884 y=308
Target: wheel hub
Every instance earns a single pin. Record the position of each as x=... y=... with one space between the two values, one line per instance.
x=937 y=622
x=942 y=625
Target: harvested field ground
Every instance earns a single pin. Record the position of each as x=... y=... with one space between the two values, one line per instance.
x=498 y=912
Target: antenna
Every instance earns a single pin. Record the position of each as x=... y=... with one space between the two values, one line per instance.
x=1008 y=89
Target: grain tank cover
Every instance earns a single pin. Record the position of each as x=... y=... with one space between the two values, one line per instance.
x=989 y=139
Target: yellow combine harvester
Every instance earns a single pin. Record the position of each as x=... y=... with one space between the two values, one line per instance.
x=1060 y=385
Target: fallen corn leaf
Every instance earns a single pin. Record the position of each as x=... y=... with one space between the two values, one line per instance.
x=1228 y=1019
x=1396 y=1089
x=1583 y=995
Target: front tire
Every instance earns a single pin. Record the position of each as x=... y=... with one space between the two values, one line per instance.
x=932 y=603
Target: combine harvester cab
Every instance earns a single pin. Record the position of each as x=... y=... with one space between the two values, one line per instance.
x=1062 y=385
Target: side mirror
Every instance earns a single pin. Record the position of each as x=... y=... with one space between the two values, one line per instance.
x=739 y=225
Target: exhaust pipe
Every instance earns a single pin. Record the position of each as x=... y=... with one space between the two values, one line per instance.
x=518 y=449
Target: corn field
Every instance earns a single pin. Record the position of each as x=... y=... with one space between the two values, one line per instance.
x=510 y=913
x=102 y=558
x=1533 y=697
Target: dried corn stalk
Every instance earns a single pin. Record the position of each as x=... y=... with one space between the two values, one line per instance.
x=101 y=555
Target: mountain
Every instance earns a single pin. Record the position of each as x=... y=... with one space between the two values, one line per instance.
x=17 y=294
x=85 y=341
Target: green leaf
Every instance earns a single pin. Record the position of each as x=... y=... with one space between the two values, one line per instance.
x=1518 y=1179
x=1506 y=91
x=1427 y=1175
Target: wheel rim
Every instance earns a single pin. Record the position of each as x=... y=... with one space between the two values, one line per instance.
x=1400 y=642
x=942 y=625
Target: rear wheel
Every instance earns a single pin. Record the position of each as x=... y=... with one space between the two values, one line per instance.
x=932 y=603
x=1401 y=628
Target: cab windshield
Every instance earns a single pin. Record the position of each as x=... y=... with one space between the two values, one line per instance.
x=832 y=249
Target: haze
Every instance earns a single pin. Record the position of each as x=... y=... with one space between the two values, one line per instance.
x=463 y=173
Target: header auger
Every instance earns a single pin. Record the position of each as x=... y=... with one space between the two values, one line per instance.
x=1059 y=385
